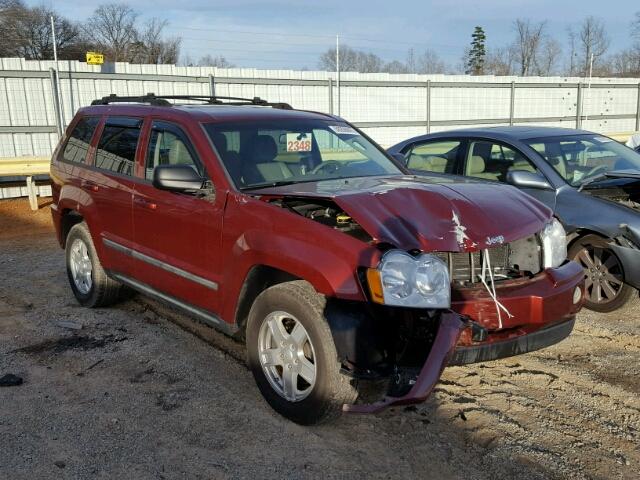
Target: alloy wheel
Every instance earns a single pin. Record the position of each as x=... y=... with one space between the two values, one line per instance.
x=604 y=277
x=81 y=267
x=287 y=356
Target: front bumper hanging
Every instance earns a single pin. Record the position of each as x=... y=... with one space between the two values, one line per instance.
x=445 y=352
x=451 y=325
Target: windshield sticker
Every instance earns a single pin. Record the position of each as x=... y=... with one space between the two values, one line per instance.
x=343 y=130
x=602 y=139
x=299 y=142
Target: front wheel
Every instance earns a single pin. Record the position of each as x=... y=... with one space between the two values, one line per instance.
x=604 y=275
x=292 y=355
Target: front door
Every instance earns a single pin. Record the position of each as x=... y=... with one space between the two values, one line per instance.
x=492 y=160
x=177 y=235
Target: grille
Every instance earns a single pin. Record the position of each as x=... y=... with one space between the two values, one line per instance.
x=508 y=261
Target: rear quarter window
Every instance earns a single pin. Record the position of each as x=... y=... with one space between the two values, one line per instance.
x=78 y=144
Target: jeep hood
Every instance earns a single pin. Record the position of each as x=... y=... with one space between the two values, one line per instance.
x=428 y=214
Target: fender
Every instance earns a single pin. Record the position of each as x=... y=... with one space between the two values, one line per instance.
x=293 y=244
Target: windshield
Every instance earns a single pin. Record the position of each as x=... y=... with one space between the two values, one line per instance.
x=579 y=158
x=261 y=153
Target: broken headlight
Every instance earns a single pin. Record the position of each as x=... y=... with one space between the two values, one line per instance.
x=406 y=281
x=554 y=244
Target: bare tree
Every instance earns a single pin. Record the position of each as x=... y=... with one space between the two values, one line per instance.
x=395 y=66
x=28 y=32
x=112 y=26
x=529 y=39
x=351 y=60
x=593 y=43
x=626 y=63
x=548 y=57
x=429 y=62
x=151 y=47
x=217 y=61
x=501 y=61
x=571 y=67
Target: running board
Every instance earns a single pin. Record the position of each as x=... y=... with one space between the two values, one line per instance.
x=204 y=316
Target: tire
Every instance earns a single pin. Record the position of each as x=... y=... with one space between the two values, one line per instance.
x=291 y=305
x=89 y=282
x=605 y=290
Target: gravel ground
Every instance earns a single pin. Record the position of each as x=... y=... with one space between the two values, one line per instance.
x=139 y=391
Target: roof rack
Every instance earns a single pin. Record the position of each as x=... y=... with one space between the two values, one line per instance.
x=163 y=100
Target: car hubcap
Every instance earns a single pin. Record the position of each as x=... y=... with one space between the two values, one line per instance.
x=80 y=265
x=287 y=356
x=603 y=273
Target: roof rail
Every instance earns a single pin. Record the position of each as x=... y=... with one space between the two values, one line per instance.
x=163 y=100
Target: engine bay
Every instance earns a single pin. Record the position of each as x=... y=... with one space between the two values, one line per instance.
x=325 y=212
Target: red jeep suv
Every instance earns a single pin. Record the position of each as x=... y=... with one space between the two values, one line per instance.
x=296 y=233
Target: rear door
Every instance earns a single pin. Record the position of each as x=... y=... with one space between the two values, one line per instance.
x=110 y=185
x=177 y=235
x=441 y=155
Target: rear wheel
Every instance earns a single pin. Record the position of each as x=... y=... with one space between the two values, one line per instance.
x=604 y=275
x=292 y=355
x=89 y=282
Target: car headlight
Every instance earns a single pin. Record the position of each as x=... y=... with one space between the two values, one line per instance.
x=406 y=281
x=554 y=244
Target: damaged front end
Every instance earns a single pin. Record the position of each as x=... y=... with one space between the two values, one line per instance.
x=624 y=230
x=507 y=300
x=446 y=285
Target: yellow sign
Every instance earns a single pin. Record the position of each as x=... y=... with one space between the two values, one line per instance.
x=94 y=58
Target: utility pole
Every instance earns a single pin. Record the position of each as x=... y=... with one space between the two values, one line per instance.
x=338 y=71
x=55 y=58
x=586 y=117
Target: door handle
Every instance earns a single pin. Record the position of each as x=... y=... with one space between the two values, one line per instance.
x=88 y=185
x=143 y=202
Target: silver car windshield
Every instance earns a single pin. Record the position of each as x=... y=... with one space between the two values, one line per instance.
x=580 y=158
x=261 y=153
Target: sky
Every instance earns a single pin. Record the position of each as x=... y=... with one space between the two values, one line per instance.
x=293 y=34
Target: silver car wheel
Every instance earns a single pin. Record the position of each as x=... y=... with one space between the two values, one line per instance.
x=604 y=279
x=80 y=266
x=287 y=356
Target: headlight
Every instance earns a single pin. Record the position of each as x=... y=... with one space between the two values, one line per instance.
x=406 y=281
x=554 y=244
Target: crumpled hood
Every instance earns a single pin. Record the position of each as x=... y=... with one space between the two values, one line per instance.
x=418 y=213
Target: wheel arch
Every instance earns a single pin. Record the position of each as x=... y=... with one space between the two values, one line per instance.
x=68 y=219
x=258 y=278
x=579 y=233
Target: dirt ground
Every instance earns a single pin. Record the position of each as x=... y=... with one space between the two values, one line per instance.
x=138 y=391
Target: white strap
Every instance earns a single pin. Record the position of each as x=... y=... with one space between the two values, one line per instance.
x=486 y=267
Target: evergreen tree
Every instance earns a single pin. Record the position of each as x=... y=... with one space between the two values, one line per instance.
x=477 y=53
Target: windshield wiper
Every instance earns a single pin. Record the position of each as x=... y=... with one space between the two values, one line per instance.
x=278 y=183
x=611 y=174
x=597 y=178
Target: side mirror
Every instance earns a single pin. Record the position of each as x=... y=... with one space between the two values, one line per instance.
x=525 y=179
x=177 y=178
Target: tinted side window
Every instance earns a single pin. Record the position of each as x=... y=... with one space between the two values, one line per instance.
x=78 y=144
x=438 y=156
x=169 y=146
x=118 y=144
